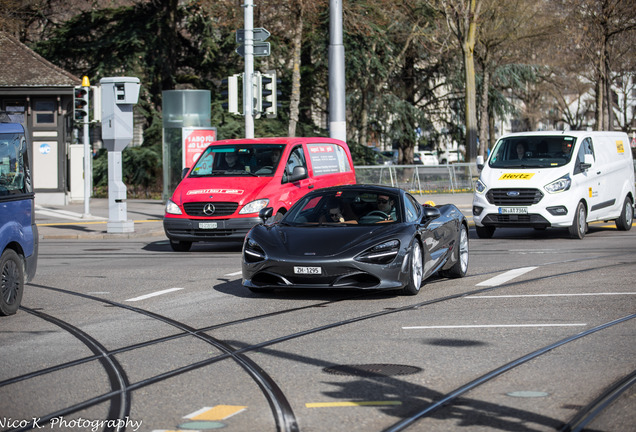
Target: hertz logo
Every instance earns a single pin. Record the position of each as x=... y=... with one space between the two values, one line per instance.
x=516 y=176
x=619 y=147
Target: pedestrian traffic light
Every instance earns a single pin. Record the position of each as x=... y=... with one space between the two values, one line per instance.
x=230 y=93
x=269 y=94
x=80 y=104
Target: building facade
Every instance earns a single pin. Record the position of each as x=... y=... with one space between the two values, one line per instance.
x=40 y=95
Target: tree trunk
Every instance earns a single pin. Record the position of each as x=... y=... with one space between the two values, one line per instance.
x=483 y=113
x=294 y=98
x=468 y=46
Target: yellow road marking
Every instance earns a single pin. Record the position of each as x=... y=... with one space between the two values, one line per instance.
x=219 y=412
x=350 y=403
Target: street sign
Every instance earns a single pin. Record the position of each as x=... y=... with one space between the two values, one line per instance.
x=258 y=35
x=261 y=49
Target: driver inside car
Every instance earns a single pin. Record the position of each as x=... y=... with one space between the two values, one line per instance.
x=387 y=206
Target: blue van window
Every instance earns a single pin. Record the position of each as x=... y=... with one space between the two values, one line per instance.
x=14 y=172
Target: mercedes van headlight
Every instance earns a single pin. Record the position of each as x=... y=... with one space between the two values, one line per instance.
x=172 y=208
x=480 y=187
x=254 y=206
x=559 y=185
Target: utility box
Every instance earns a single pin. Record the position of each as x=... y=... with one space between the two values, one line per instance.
x=119 y=94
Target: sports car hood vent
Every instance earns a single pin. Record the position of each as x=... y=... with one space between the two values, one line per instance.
x=329 y=241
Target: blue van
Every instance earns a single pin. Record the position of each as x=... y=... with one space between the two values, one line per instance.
x=18 y=232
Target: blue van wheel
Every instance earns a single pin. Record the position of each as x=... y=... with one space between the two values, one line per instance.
x=11 y=282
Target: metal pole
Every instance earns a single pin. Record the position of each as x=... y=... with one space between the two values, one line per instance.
x=337 y=113
x=87 y=158
x=248 y=97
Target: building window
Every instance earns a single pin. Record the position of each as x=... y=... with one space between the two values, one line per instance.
x=44 y=112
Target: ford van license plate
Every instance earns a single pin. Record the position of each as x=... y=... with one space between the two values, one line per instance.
x=307 y=270
x=207 y=225
x=513 y=210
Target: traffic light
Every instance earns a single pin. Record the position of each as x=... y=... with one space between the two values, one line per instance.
x=269 y=94
x=230 y=93
x=80 y=104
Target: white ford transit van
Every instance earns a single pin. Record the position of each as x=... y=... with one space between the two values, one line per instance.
x=556 y=179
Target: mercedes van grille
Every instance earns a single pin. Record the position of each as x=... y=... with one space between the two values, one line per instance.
x=513 y=197
x=210 y=209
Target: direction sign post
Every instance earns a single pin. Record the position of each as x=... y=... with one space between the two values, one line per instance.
x=258 y=35
x=261 y=49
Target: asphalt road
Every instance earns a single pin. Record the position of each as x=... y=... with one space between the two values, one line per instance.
x=123 y=328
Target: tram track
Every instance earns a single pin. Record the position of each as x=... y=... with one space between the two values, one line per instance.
x=280 y=406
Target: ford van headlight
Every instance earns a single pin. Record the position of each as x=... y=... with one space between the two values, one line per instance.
x=172 y=208
x=559 y=185
x=480 y=187
x=254 y=206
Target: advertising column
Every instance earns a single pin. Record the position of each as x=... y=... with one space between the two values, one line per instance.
x=186 y=132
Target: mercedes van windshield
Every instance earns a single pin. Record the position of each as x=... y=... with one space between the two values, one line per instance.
x=532 y=152
x=232 y=160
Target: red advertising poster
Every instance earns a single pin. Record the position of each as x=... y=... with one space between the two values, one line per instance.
x=195 y=140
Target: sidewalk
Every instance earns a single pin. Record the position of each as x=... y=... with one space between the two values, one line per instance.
x=69 y=221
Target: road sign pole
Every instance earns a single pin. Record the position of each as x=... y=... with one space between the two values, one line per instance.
x=88 y=174
x=248 y=97
x=337 y=106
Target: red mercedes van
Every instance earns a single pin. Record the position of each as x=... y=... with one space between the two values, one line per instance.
x=220 y=196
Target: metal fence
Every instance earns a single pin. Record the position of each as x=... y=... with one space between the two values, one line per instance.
x=421 y=179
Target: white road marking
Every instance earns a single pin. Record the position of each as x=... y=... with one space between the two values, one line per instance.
x=551 y=295
x=492 y=326
x=154 y=294
x=505 y=277
x=234 y=274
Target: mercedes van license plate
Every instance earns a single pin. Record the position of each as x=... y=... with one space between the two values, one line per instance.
x=207 y=225
x=307 y=270
x=513 y=210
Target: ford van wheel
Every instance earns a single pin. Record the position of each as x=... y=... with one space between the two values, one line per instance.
x=484 y=231
x=579 y=224
x=624 y=222
x=180 y=246
x=416 y=269
x=11 y=282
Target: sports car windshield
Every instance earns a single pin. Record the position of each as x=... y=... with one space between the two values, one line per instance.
x=532 y=152
x=258 y=160
x=352 y=207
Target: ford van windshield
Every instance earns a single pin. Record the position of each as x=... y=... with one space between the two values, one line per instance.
x=238 y=160
x=532 y=152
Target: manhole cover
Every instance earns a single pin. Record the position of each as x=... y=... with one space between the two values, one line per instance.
x=371 y=370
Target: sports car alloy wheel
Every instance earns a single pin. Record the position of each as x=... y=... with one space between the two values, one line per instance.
x=416 y=269
x=460 y=267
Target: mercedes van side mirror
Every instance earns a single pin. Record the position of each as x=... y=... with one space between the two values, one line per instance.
x=480 y=162
x=298 y=173
x=184 y=173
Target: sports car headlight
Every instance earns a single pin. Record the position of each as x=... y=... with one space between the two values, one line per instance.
x=383 y=253
x=172 y=208
x=480 y=187
x=252 y=252
x=254 y=206
x=559 y=185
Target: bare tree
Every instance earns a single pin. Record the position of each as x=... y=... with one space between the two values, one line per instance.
x=462 y=17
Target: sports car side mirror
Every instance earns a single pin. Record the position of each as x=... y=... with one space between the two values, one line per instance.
x=266 y=213
x=430 y=213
